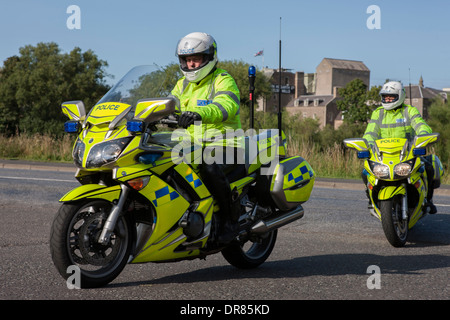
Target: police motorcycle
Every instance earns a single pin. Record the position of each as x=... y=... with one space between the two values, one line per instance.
x=140 y=200
x=397 y=182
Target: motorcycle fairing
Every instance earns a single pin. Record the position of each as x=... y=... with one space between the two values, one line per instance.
x=92 y=191
x=390 y=192
x=189 y=175
x=106 y=112
x=170 y=243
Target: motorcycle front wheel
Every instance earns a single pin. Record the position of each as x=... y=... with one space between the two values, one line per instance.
x=73 y=242
x=394 y=227
x=250 y=254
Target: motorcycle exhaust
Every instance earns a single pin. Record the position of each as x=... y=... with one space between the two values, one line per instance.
x=262 y=226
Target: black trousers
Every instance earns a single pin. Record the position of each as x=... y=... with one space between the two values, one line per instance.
x=215 y=168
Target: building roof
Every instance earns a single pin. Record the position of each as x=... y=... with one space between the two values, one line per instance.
x=313 y=100
x=418 y=92
x=346 y=64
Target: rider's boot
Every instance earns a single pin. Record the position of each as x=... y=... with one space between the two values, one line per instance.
x=430 y=193
x=433 y=208
x=229 y=220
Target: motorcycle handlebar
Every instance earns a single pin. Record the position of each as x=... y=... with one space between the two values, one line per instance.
x=168 y=121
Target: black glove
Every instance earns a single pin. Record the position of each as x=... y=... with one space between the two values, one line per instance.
x=187 y=118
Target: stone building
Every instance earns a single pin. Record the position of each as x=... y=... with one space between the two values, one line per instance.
x=320 y=104
x=422 y=97
x=314 y=95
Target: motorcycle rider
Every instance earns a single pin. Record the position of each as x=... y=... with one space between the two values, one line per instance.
x=208 y=96
x=394 y=119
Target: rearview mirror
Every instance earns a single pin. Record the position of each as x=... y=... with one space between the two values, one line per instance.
x=74 y=110
x=359 y=144
x=151 y=110
x=425 y=139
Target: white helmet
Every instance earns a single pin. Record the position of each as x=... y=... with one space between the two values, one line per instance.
x=197 y=43
x=392 y=88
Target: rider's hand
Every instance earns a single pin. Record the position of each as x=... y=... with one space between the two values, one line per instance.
x=187 y=118
x=172 y=120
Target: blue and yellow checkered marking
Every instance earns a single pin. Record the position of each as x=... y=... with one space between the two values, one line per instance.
x=300 y=174
x=163 y=195
x=193 y=180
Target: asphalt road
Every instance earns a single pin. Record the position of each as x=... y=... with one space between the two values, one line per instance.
x=328 y=254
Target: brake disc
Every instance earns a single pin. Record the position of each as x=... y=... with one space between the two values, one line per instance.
x=93 y=252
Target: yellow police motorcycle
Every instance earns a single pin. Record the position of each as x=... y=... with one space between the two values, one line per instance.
x=397 y=182
x=142 y=199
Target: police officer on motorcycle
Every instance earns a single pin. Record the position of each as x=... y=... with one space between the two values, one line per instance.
x=208 y=96
x=394 y=119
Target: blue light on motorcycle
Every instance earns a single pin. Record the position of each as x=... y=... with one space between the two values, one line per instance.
x=135 y=126
x=419 y=151
x=71 y=126
x=149 y=158
x=363 y=154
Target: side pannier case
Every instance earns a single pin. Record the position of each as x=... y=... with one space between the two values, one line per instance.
x=292 y=183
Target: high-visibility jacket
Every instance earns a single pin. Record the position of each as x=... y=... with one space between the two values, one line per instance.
x=402 y=122
x=215 y=98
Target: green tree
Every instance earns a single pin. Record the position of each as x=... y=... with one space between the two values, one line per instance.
x=439 y=118
x=239 y=71
x=34 y=84
x=357 y=102
x=9 y=110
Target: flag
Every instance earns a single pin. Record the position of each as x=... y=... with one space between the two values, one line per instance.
x=259 y=53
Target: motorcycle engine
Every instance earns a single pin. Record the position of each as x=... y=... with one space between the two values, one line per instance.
x=193 y=224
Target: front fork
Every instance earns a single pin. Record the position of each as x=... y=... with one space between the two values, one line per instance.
x=110 y=223
x=405 y=203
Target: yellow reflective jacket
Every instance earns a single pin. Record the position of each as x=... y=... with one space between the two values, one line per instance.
x=215 y=98
x=402 y=122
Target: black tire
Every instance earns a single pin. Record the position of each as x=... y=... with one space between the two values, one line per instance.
x=240 y=257
x=395 y=229
x=74 y=232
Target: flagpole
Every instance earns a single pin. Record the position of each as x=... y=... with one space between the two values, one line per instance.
x=279 y=88
x=263 y=60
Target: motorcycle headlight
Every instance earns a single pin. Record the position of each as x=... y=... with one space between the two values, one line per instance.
x=78 y=153
x=106 y=152
x=402 y=169
x=381 y=171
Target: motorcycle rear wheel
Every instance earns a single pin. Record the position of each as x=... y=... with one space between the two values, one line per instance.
x=394 y=227
x=73 y=241
x=250 y=254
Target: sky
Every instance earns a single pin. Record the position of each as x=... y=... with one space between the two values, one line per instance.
x=400 y=40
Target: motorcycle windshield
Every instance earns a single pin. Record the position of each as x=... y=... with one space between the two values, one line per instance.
x=141 y=82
